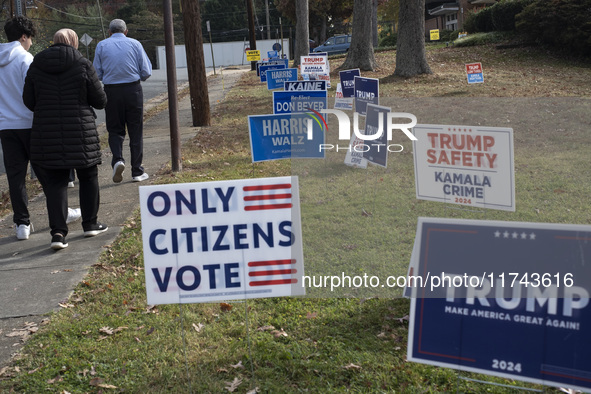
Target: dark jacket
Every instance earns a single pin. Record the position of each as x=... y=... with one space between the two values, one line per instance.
x=61 y=88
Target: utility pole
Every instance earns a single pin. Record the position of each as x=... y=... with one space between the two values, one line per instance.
x=196 y=63
x=251 y=30
x=173 y=110
x=268 y=20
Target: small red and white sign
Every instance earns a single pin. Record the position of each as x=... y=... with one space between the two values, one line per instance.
x=474 y=73
x=227 y=240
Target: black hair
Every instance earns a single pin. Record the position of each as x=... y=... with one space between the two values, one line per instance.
x=17 y=26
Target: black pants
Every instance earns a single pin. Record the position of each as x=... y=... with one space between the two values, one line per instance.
x=16 y=151
x=125 y=107
x=55 y=187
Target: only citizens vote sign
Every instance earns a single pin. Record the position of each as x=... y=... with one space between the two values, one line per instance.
x=225 y=240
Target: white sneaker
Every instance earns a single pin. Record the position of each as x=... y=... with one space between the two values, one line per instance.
x=23 y=231
x=140 y=178
x=73 y=215
x=118 y=169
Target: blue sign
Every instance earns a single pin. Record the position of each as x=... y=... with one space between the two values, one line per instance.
x=277 y=46
x=298 y=86
x=367 y=90
x=276 y=78
x=376 y=151
x=265 y=68
x=285 y=136
x=270 y=62
x=301 y=101
x=476 y=78
x=508 y=299
x=348 y=81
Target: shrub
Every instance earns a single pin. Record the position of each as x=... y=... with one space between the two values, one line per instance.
x=388 y=40
x=499 y=17
x=448 y=35
x=563 y=24
x=503 y=13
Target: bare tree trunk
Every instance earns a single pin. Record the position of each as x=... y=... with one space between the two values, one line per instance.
x=361 y=51
x=302 y=44
x=196 y=63
x=411 y=58
x=322 y=32
x=374 y=22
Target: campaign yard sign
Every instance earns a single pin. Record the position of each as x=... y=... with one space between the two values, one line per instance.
x=269 y=63
x=314 y=64
x=341 y=102
x=299 y=101
x=367 y=90
x=225 y=240
x=298 y=86
x=277 y=78
x=465 y=165
x=376 y=151
x=347 y=78
x=474 y=73
x=285 y=136
x=264 y=68
x=511 y=299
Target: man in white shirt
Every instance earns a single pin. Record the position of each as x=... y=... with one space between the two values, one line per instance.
x=15 y=119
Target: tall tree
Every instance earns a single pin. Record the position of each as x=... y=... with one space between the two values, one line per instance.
x=411 y=57
x=196 y=63
x=302 y=44
x=360 y=53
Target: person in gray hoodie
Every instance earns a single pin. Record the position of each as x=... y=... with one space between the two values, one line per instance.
x=15 y=118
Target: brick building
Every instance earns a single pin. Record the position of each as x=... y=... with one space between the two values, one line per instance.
x=446 y=15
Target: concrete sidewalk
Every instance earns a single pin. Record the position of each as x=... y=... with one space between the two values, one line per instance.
x=33 y=278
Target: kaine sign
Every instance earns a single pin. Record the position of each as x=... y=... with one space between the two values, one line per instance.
x=285 y=136
x=213 y=241
x=277 y=78
x=508 y=299
x=298 y=86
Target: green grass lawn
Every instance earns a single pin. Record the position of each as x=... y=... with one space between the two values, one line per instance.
x=107 y=339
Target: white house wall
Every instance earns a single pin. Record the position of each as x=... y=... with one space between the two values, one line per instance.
x=225 y=53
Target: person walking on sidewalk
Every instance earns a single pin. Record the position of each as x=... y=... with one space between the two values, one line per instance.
x=15 y=118
x=61 y=87
x=121 y=63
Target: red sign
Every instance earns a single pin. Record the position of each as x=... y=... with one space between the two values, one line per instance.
x=473 y=68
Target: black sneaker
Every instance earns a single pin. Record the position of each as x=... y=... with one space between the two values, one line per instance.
x=58 y=242
x=95 y=229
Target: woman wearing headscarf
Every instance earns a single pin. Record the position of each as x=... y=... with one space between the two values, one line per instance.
x=61 y=87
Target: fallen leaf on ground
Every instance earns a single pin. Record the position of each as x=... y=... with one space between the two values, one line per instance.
x=239 y=365
x=18 y=333
x=265 y=328
x=352 y=366
x=198 y=327
x=233 y=385
x=96 y=381
x=56 y=379
x=253 y=391
x=278 y=333
x=225 y=307
x=311 y=315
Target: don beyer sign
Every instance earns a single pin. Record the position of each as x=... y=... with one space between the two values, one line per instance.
x=226 y=240
x=465 y=165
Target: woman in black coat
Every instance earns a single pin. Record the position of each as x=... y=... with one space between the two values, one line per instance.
x=61 y=87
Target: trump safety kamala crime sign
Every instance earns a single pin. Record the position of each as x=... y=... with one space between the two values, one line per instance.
x=465 y=165
x=225 y=240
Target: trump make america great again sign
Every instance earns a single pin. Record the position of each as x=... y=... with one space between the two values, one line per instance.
x=224 y=240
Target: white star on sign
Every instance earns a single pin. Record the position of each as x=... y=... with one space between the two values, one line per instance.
x=523 y=235
x=515 y=235
x=497 y=234
x=506 y=234
x=532 y=236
